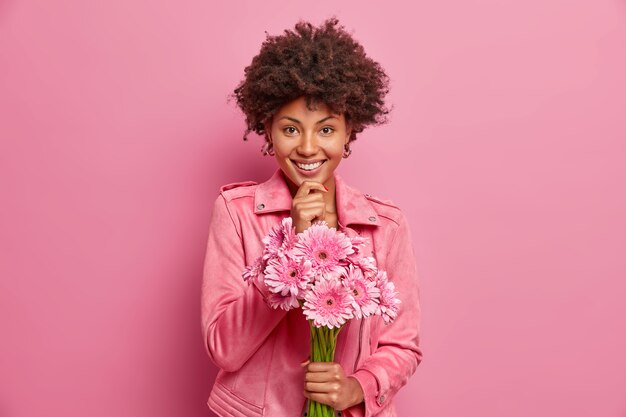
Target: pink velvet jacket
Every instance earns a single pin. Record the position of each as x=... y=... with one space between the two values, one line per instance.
x=259 y=349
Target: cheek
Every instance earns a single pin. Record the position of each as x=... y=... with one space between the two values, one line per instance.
x=281 y=147
x=336 y=149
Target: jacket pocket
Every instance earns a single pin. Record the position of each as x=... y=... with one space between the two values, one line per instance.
x=226 y=403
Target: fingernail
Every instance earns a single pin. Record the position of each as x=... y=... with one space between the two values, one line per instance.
x=325 y=187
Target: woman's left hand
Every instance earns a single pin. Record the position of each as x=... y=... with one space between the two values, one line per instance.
x=327 y=383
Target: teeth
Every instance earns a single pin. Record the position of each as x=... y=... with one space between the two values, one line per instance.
x=309 y=167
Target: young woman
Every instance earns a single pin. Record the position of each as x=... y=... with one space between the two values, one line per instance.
x=308 y=92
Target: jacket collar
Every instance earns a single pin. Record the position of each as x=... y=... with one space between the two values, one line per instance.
x=352 y=206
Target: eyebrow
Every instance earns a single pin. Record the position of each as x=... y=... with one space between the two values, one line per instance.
x=298 y=121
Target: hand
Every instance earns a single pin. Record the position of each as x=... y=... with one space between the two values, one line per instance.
x=327 y=383
x=308 y=205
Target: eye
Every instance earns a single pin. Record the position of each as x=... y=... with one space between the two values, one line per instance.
x=327 y=130
x=290 y=130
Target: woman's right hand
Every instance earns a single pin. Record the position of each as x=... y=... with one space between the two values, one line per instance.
x=308 y=205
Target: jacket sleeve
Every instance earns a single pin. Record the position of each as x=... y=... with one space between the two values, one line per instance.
x=235 y=316
x=398 y=352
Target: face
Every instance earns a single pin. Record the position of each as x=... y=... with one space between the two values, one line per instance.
x=308 y=144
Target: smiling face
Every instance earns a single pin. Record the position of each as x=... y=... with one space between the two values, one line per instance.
x=308 y=144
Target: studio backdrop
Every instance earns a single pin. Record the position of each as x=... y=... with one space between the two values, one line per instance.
x=506 y=150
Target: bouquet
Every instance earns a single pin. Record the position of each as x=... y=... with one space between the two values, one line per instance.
x=326 y=273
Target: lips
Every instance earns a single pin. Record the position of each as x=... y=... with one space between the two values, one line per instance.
x=308 y=166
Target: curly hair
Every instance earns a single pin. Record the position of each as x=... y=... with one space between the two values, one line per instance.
x=324 y=64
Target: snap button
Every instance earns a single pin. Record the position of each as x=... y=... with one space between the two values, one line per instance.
x=381 y=399
x=260 y=206
x=372 y=219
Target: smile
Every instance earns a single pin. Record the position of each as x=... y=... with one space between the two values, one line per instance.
x=309 y=167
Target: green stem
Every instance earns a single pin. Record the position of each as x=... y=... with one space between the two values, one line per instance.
x=324 y=333
x=312 y=339
x=319 y=346
x=323 y=346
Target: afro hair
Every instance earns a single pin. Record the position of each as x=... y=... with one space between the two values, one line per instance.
x=323 y=64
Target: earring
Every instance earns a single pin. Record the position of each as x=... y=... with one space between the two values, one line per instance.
x=346 y=150
x=267 y=148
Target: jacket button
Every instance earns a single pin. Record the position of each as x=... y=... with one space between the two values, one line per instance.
x=260 y=206
x=381 y=399
x=372 y=219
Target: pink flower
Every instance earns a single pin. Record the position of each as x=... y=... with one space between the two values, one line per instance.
x=364 y=291
x=389 y=303
x=280 y=239
x=358 y=243
x=252 y=271
x=328 y=303
x=367 y=264
x=286 y=302
x=288 y=275
x=324 y=246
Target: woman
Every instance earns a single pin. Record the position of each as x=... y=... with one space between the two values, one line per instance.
x=309 y=92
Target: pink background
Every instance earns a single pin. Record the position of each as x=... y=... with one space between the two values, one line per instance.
x=506 y=150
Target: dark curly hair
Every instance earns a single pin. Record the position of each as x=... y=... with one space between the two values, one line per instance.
x=324 y=64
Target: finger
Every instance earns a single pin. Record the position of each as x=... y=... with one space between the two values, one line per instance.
x=320 y=397
x=321 y=387
x=314 y=195
x=331 y=374
x=323 y=367
x=311 y=213
x=317 y=377
x=305 y=363
x=307 y=186
x=319 y=205
x=317 y=208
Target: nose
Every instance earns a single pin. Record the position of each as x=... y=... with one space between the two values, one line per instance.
x=307 y=145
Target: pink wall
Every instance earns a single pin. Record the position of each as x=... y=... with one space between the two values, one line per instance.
x=509 y=130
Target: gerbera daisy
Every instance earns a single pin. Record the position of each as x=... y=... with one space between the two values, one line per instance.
x=280 y=239
x=287 y=275
x=389 y=303
x=252 y=271
x=358 y=243
x=286 y=302
x=324 y=246
x=364 y=291
x=328 y=303
x=367 y=264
